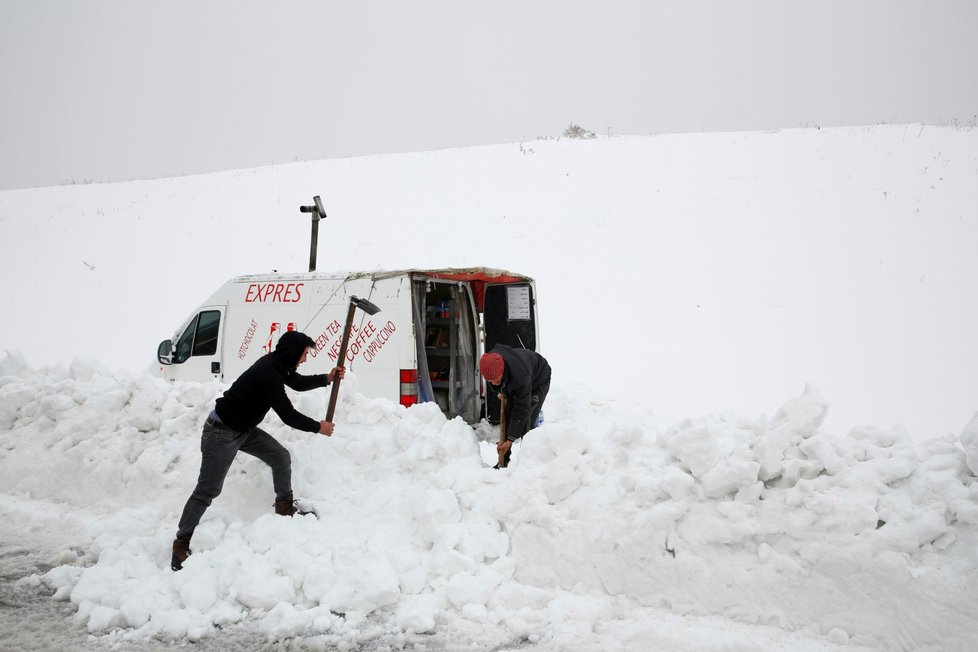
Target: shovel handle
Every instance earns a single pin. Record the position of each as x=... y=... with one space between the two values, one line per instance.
x=333 y=395
x=340 y=363
x=502 y=428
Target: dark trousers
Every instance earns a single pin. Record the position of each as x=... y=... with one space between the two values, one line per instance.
x=218 y=446
x=537 y=398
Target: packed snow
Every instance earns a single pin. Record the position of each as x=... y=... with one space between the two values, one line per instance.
x=605 y=519
x=618 y=525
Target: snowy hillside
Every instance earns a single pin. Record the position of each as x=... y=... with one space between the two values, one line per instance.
x=691 y=273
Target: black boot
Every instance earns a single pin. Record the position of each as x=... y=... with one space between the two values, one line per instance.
x=181 y=550
x=287 y=506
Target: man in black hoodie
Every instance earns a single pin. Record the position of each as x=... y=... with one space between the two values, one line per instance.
x=233 y=426
x=524 y=377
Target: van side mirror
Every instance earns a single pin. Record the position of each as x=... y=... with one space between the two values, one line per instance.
x=165 y=352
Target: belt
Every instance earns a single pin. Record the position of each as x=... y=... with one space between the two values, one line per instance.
x=214 y=421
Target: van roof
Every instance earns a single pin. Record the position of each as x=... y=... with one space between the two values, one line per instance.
x=483 y=274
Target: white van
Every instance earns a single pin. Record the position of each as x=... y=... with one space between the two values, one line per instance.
x=423 y=345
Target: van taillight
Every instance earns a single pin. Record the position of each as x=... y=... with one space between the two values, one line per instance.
x=409 y=387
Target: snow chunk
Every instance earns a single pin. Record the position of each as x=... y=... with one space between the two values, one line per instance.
x=969 y=441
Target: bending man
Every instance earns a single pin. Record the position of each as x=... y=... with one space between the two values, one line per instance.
x=524 y=377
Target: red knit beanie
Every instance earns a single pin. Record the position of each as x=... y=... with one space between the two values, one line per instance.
x=491 y=365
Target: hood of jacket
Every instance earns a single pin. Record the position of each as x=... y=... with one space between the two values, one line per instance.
x=290 y=348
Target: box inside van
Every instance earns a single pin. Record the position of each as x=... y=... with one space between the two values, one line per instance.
x=424 y=344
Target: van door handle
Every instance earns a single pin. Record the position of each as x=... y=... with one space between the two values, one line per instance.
x=215 y=367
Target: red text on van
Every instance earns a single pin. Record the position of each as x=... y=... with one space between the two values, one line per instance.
x=274 y=293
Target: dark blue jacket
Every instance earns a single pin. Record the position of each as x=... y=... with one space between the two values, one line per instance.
x=525 y=371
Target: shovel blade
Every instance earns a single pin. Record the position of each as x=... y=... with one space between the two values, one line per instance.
x=364 y=305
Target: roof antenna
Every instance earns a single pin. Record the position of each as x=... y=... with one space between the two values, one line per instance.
x=318 y=213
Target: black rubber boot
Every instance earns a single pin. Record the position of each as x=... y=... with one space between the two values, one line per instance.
x=181 y=550
x=287 y=506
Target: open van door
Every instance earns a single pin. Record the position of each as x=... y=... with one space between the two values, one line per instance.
x=509 y=317
x=445 y=321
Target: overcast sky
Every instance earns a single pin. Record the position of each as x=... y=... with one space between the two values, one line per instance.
x=112 y=90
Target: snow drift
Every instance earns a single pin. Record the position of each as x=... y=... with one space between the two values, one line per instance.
x=867 y=539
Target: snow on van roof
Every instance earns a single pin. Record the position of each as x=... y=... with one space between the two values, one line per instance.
x=474 y=274
x=448 y=273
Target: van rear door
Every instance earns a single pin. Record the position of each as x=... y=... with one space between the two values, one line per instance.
x=447 y=344
x=509 y=317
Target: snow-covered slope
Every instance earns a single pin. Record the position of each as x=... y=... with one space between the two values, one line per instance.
x=693 y=273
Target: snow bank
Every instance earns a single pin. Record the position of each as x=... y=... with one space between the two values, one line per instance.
x=969 y=441
x=868 y=539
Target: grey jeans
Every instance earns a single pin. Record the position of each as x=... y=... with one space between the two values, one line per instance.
x=218 y=446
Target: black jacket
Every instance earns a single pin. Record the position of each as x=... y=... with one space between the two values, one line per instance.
x=262 y=387
x=525 y=371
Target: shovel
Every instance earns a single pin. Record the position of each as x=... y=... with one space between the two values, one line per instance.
x=370 y=309
x=502 y=430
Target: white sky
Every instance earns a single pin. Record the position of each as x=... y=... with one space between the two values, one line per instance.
x=110 y=90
